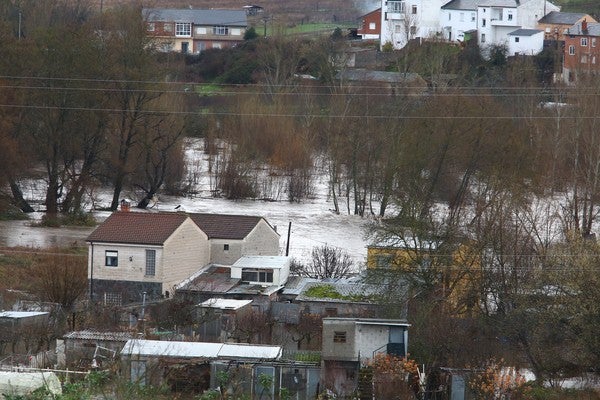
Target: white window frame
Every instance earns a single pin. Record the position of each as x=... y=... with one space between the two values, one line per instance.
x=111 y=258
x=220 y=30
x=183 y=29
x=516 y=39
x=372 y=26
x=584 y=42
x=571 y=50
x=396 y=7
x=259 y=275
x=414 y=10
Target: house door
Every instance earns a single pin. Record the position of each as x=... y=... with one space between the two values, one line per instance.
x=396 y=345
x=185 y=47
x=138 y=372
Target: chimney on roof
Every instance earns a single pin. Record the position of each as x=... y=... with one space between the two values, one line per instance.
x=584 y=26
x=125 y=205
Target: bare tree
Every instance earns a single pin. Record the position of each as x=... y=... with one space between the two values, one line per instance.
x=326 y=262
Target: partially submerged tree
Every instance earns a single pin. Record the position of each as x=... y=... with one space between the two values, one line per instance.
x=326 y=262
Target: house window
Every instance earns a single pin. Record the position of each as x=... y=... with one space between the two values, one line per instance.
x=150 y=27
x=449 y=16
x=372 y=26
x=593 y=42
x=220 y=30
x=584 y=59
x=571 y=50
x=168 y=28
x=517 y=40
x=216 y=45
x=584 y=41
x=413 y=30
x=225 y=247
x=150 y=262
x=510 y=16
x=112 y=299
x=183 y=29
x=483 y=22
x=473 y=17
x=111 y=258
x=414 y=9
x=483 y=38
x=339 y=337
x=200 y=31
x=398 y=28
x=256 y=275
x=396 y=6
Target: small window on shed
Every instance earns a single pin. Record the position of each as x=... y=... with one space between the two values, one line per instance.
x=225 y=247
x=339 y=337
x=517 y=39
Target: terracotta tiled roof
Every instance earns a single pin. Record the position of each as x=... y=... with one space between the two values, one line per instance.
x=221 y=226
x=137 y=228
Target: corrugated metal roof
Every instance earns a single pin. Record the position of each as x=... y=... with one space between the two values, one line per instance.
x=215 y=279
x=197 y=17
x=21 y=314
x=562 y=18
x=369 y=321
x=225 y=304
x=137 y=347
x=101 y=336
x=267 y=262
x=367 y=75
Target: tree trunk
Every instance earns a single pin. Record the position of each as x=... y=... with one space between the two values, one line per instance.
x=18 y=196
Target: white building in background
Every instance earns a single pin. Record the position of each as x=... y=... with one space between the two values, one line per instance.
x=458 y=17
x=496 y=19
x=526 y=42
x=403 y=20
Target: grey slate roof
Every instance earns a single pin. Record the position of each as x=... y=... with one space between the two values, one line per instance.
x=461 y=5
x=524 y=32
x=367 y=75
x=197 y=17
x=593 y=29
x=561 y=18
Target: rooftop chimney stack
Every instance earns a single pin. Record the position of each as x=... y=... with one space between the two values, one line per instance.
x=584 y=26
x=125 y=205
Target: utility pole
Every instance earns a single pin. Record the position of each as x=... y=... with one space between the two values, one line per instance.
x=287 y=246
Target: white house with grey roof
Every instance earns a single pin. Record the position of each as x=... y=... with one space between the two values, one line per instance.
x=528 y=42
x=496 y=19
x=193 y=31
x=458 y=17
x=404 y=20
